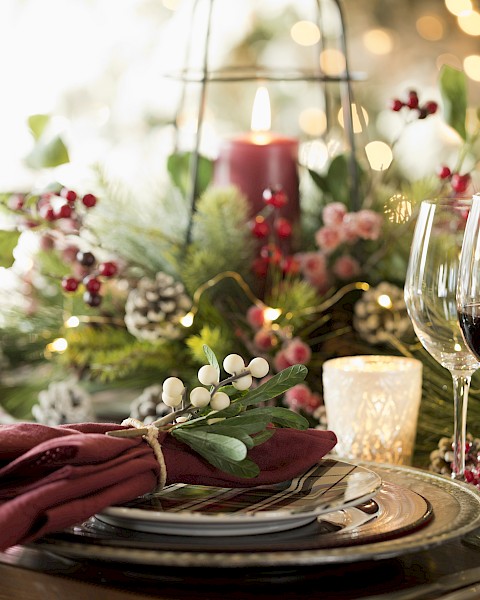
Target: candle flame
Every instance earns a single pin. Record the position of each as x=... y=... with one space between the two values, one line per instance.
x=261 y=116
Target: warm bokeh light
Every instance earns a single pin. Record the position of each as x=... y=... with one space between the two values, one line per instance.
x=314 y=154
x=471 y=65
x=457 y=7
x=398 y=209
x=58 y=345
x=470 y=22
x=313 y=121
x=430 y=27
x=72 y=322
x=379 y=155
x=332 y=62
x=356 y=121
x=187 y=320
x=271 y=314
x=378 y=41
x=305 y=33
x=385 y=301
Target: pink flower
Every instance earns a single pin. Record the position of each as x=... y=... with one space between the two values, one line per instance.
x=263 y=339
x=312 y=263
x=333 y=214
x=369 y=224
x=255 y=316
x=346 y=267
x=349 y=228
x=300 y=397
x=328 y=238
x=280 y=361
x=297 y=352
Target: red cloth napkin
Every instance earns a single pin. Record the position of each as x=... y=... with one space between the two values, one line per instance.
x=54 y=477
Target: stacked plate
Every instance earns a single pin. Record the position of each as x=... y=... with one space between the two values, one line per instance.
x=335 y=512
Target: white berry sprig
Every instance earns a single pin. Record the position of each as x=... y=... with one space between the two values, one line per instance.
x=219 y=421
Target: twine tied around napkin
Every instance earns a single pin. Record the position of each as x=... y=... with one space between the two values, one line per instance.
x=151 y=437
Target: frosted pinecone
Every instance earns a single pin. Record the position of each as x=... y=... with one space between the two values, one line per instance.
x=381 y=313
x=148 y=407
x=155 y=307
x=63 y=402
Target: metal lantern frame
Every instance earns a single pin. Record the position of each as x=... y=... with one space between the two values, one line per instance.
x=206 y=77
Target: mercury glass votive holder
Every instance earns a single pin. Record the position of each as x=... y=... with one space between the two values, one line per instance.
x=372 y=405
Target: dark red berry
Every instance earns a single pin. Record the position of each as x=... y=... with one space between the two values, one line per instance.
x=444 y=172
x=70 y=284
x=283 y=228
x=260 y=266
x=259 y=227
x=275 y=197
x=460 y=182
x=69 y=195
x=290 y=265
x=47 y=212
x=89 y=200
x=396 y=104
x=272 y=253
x=412 y=101
x=431 y=107
x=422 y=113
x=64 y=212
x=92 y=299
x=87 y=259
x=108 y=269
x=92 y=284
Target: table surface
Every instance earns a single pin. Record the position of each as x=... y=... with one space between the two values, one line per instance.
x=26 y=572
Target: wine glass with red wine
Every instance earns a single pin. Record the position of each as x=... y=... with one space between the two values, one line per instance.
x=430 y=296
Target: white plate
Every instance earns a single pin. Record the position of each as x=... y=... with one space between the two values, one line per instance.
x=194 y=510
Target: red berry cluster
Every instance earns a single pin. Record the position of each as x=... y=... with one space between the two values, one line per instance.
x=458 y=182
x=412 y=103
x=91 y=279
x=275 y=233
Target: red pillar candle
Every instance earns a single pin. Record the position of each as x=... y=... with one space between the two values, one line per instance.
x=259 y=160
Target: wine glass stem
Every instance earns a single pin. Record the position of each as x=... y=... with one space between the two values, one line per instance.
x=461 y=387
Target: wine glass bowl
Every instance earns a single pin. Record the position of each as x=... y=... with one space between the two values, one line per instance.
x=431 y=299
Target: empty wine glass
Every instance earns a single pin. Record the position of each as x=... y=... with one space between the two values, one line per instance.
x=430 y=296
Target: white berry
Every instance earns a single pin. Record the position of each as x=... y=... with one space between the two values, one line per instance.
x=172 y=401
x=220 y=401
x=258 y=367
x=233 y=363
x=199 y=397
x=208 y=375
x=243 y=383
x=173 y=386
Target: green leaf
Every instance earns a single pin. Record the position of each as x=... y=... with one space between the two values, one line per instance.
x=8 y=242
x=284 y=417
x=453 y=88
x=262 y=436
x=338 y=179
x=319 y=180
x=212 y=359
x=48 y=154
x=206 y=443
x=179 y=168
x=276 y=386
x=37 y=124
x=245 y=468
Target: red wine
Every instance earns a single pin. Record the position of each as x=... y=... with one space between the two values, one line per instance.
x=470 y=324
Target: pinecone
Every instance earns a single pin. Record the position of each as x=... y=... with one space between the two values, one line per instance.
x=381 y=313
x=63 y=402
x=148 y=407
x=155 y=307
x=442 y=457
